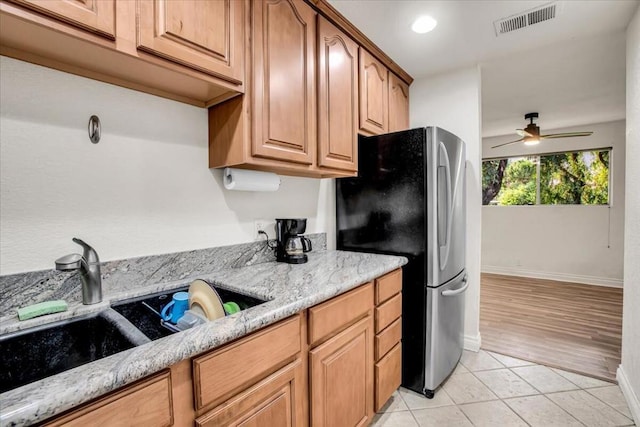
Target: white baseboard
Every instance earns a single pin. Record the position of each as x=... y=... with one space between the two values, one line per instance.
x=629 y=394
x=562 y=277
x=472 y=342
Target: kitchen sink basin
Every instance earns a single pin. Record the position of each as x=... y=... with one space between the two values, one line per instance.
x=142 y=312
x=37 y=353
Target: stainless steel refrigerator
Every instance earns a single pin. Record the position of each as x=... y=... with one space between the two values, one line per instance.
x=409 y=199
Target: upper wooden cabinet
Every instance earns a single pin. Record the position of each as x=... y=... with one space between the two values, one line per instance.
x=188 y=50
x=384 y=98
x=398 y=104
x=286 y=123
x=97 y=16
x=337 y=98
x=205 y=35
x=284 y=101
x=374 y=95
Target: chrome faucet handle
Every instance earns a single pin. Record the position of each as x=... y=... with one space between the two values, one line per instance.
x=69 y=262
x=88 y=253
x=89 y=266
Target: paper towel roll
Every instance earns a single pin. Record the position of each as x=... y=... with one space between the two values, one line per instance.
x=246 y=180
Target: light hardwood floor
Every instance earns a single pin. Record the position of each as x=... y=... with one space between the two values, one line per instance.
x=570 y=326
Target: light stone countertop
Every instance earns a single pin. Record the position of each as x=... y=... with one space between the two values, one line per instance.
x=287 y=288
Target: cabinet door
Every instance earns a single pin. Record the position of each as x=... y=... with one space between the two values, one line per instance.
x=374 y=95
x=341 y=378
x=205 y=35
x=97 y=16
x=398 y=104
x=337 y=98
x=274 y=402
x=284 y=107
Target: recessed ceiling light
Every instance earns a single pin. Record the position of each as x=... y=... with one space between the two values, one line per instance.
x=424 y=24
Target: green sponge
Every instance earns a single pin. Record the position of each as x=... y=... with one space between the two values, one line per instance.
x=42 y=308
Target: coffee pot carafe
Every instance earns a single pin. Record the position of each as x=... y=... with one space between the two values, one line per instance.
x=291 y=247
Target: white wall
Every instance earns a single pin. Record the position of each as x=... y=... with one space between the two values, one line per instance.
x=572 y=243
x=144 y=189
x=452 y=101
x=629 y=371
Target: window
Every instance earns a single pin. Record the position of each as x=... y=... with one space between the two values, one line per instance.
x=570 y=178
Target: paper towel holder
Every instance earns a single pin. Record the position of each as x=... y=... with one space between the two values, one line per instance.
x=250 y=180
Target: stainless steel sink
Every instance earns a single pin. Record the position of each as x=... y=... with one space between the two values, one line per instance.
x=36 y=353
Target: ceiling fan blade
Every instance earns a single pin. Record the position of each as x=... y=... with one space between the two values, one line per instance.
x=523 y=132
x=507 y=143
x=565 y=135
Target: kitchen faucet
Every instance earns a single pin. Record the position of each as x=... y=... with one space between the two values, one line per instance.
x=89 y=266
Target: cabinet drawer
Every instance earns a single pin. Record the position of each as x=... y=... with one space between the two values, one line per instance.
x=388 y=312
x=224 y=372
x=388 y=338
x=147 y=403
x=271 y=403
x=388 y=285
x=388 y=374
x=331 y=317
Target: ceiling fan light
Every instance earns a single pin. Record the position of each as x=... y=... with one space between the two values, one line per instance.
x=531 y=141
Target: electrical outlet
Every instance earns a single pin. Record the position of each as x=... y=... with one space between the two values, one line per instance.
x=263 y=225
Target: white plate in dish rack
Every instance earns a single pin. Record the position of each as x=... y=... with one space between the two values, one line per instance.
x=203 y=299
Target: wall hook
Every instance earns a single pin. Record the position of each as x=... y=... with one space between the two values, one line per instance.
x=94 y=129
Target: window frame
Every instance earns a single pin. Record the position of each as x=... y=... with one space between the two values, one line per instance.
x=538 y=163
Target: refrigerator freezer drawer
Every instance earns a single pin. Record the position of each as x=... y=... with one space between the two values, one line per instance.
x=445 y=335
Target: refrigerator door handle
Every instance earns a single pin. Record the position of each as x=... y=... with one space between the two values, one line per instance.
x=444 y=249
x=457 y=291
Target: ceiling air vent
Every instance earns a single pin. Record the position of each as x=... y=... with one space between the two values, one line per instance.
x=526 y=18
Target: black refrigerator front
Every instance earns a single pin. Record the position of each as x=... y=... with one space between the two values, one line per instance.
x=408 y=199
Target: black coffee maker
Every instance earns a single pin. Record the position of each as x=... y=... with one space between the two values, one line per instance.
x=291 y=247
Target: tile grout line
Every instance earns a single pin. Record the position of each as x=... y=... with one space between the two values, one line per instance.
x=545 y=394
x=534 y=387
x=495 y=394
x=610 y=406
x=407 y=405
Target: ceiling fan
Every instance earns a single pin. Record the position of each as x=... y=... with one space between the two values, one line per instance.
x=531 y=134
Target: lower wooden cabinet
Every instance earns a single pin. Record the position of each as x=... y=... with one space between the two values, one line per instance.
x=341 y=359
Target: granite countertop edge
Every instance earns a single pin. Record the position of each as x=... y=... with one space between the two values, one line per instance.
x=288 y=289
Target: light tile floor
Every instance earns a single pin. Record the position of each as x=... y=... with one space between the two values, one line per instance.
x=489 y=389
